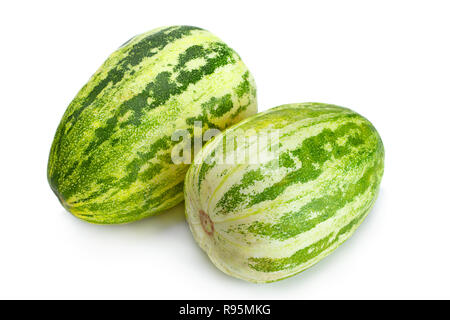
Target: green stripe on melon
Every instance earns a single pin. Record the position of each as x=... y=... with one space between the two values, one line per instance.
x=276 y=218
x=110 y=161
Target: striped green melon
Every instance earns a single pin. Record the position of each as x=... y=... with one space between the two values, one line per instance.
x=110 y=161
x=267 y=220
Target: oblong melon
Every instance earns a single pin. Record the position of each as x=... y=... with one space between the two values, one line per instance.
x=110 y=161
x=269 y=219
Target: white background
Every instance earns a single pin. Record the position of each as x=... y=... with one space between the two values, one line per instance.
x=388 y=60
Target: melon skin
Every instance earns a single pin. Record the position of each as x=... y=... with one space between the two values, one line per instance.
x=266 y=221
x=110 y=160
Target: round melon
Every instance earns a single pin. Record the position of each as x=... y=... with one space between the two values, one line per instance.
x=278 y=192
